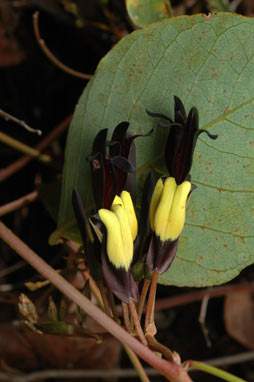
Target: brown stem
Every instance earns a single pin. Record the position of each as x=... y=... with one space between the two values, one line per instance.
x=126 y=317
x=18 y=203
x=142 y=298
x=9 y=117
x=94 y=288
x=188 y=298
x=157 y=346
x=113 y=305
x=22 y=162
x=50 y=55
x=151 y=301
x=136 y=321
x=104 y=298
x=170 y=370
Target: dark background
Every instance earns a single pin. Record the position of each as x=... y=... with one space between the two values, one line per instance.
x=33 y=89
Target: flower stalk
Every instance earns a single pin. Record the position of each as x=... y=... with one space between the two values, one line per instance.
x=151 y=302
x=173 y=372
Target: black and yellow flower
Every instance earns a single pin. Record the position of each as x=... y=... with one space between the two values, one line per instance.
x=170 y=195
x=167 y=209
x=167 y=218
x=113 y=164
x=182 y=138
x=118 y=246
x=121 y=225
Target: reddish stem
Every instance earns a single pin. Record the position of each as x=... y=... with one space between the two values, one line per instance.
x=187 y=298
x=142 y=298
x=126 y=317
x=170 y=370
x=23 y=161
x=151 y=300
x=136 y=321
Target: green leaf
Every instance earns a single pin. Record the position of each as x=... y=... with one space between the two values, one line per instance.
x=50 y=196
x=145 y=12
x=208 y=63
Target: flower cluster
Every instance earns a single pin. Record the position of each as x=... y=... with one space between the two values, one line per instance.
x=116 y=238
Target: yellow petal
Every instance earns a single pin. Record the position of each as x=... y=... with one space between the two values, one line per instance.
x=117 y=200
x=162 y=213
x=177 y=213
x=155 y=201
x=125 y=234
x=129 y=208
x=115 y=249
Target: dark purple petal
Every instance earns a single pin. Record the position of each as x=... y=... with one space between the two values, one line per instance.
x=165 y=254
x=160 y=254
x=111 y=182
x=180 y=113
x=158 y=115
x=185 y=153
x=97 y=164
x=172 y=149
x=119 y=280
x=150 y=253
x=212 y=136
x=144 y=220
x=118 y=139
x=99 y=143
x=123 y=164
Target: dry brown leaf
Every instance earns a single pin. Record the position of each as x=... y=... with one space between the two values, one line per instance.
x=26 y=350
x=239 y=317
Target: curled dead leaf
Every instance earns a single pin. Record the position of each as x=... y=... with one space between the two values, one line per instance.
x=239 y=317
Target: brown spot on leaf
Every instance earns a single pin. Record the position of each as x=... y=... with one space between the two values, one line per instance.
x=214 y=73
x=241 y=239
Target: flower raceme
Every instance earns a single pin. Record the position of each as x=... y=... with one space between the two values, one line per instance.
x=167 y=209
x=121 y=225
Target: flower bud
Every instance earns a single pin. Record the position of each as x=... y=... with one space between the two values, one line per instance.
x=121 y=225
x=167 y=210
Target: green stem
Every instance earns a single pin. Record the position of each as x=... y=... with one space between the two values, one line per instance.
x=136 y=364
x=214 y=371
